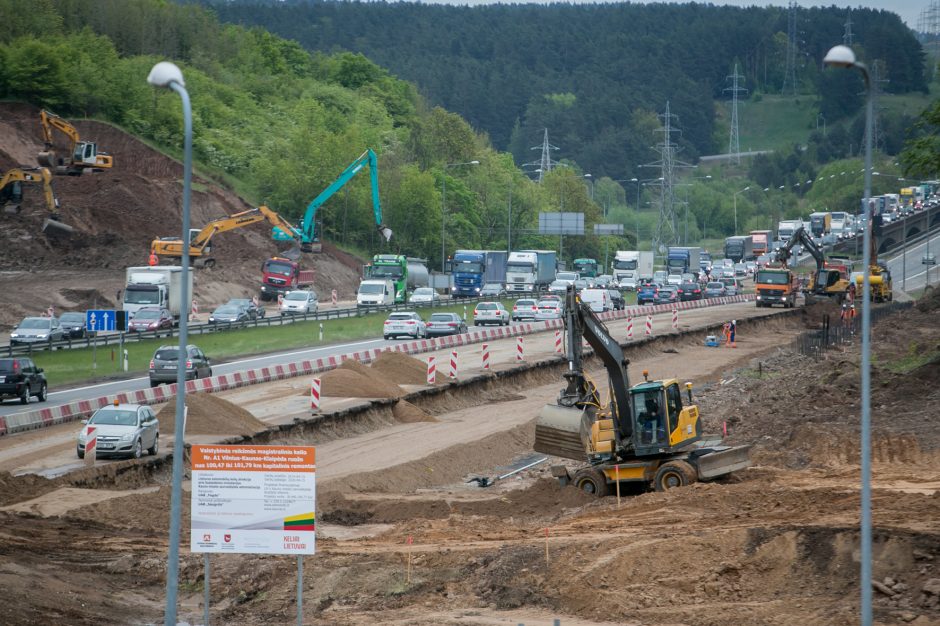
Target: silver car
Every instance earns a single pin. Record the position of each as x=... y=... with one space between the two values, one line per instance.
x=122 y=430
x=36 y=330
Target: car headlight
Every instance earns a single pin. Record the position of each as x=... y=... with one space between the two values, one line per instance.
x=81 y=437
x=477 y=289
x=42 y=336
x=128 y=437
x=14 y=335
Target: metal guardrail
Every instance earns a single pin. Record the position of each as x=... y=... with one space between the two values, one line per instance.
x=837 y=332
x=118 y=339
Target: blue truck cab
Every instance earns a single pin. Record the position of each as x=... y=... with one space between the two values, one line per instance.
x=474 y=268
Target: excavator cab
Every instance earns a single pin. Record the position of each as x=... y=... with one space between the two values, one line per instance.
x=660 y=421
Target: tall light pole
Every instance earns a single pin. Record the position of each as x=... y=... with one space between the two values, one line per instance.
x=736 y=193
x=167 y=75
x=444 y=205
x=590 y=179
x=843 y=56
x=509 y=221
x=637 y=181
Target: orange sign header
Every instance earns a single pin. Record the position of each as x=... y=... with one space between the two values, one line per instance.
x=254 y=458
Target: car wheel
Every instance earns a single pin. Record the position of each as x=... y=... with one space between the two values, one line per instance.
x=152 y=450
x=209 y=375
x=138 y=449
x=24 y=397
x=385 y=337
x=153 y=384
x=41 y=396
x=80 y=452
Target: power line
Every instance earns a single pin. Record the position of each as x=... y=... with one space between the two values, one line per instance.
x=734 y=142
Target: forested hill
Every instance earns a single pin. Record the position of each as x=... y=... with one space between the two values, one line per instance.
x=595 y=75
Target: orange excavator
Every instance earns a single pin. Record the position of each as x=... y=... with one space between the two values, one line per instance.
x=11 y=194
x=83 y=155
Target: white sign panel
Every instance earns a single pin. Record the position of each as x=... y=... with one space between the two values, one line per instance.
x=253 y=499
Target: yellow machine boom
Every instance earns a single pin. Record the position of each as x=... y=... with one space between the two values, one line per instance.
x=39 y=175
x=82 y=154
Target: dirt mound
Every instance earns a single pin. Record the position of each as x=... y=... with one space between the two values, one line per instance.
x=210 y=415
x=126 y=512
x=346 y=383
x=17 y=488
x=930 y=301
x=407 y=413
x=401 y=368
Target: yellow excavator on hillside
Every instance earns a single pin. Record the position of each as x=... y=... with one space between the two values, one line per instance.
x=11 y=194
x=200 y=240
x=82 y=154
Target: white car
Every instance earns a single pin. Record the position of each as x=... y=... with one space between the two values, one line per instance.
x=490 y=313
x=524 y=309
x=628 y=284
x=558 y=286
x=299 y=302
x=674 y=279
x=548 y=310
x=424 y=294
x=405 y=323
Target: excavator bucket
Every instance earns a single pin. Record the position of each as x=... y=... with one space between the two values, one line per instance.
x=722 y=460
x=562 y=431
x=56 y=228
x=46 y=158
x=291 y=253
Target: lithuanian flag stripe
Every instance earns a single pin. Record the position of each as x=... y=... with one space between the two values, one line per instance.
x=304 y=521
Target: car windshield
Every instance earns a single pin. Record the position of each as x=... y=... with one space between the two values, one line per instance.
x=468 y=267
x=147 y=314
x=773 y=278
x=715 y=286
x=141 y=295
x=72 y=318
x=239 y=302
x=525 y=302
x=442 y=317
x=297 y=295
x=566 y=276
x=370 y=288
x=558 y=284
x=424 y=291
x=227 y=310
x=401 y=316
x=166 y=354
x=114 y=417
x=35 y=322
x=548 y=304
x=486 y=307
x=492 y=287
x=274 y=267
x=393 y=272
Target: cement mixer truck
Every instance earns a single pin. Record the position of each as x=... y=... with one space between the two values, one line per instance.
x=405 y=273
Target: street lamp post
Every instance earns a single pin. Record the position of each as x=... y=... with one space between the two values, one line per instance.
x=843 y=56
x=444 y=205
x=736 y=193
x=590 y=180
x=637 y=181
x=168 y=75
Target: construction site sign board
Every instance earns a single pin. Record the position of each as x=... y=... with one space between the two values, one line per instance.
x=253 y=499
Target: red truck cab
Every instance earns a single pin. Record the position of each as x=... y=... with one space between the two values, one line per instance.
x=280 y=275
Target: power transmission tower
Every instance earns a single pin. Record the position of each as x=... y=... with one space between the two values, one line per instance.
x=667 y=227
x=545 y=163
x=734 y=142
x=928 y=30
x=789 y=73
x=847 y=35
x=878 y=74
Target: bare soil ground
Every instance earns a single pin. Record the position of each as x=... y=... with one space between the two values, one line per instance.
x=116 y=214
x=776 y=544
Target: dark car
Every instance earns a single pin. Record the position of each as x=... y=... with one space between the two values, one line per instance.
x=229 y=314
x=150 y=318
x=20 y=378
x=616 y=299
x=73 y=325
x=715 y=289
x=646 y=294
x=166 y=359
x=255 y=311
x=667 y=294
x=445 y=324
x=690 y=291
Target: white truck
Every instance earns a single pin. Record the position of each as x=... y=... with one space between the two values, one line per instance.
x=158 y=286
x=630 y=266
x=785 y=230
x=530 y=270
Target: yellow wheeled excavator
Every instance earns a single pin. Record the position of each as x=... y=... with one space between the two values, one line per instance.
x=200 y=240
x=879 y=275
x=644 y=433
x=11 y=194
x=82 y=154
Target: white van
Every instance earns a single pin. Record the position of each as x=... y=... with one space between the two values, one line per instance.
x=375 y=293
x=598 y=299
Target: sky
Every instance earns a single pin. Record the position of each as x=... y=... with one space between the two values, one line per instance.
x=907 y=9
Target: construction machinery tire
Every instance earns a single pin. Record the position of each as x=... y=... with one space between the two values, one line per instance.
x=590 y=480
x=674 y=474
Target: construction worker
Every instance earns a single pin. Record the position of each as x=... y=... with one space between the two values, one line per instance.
x=852 y=317
x=154 y=260
x=732 y=327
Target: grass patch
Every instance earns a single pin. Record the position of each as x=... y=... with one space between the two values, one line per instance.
x=913 y=360
x=65 y=367
x=776 y=122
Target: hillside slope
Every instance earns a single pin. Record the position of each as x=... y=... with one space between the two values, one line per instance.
x=116 y=214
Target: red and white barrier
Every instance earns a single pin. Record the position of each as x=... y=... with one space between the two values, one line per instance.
x=558 y=348
x=649 y=325
x=333 y=297
x=195 y=310
x=91 y=444
x=315 y=395
x=486 y=356
x=432 y=371
x=675 y=319
x=520 y=349
x=629 y=327
x=453 y=364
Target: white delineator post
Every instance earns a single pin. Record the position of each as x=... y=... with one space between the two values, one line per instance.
x=432 y=371
x=558 y=348
x=520 y=349
x=649 y=325
x=315 y=395
x=453 y=364
x=486 y=356
x=91 y=444
x=629 y=327
x=675 y=318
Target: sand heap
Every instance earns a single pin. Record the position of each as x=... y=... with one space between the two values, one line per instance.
x=401 y=368
x=210 y=415
x=352 y=379
x=407 y=413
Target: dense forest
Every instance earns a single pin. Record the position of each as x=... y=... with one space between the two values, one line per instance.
x=595 y=75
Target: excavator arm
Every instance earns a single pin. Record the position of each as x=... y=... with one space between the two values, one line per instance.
x=37 y=175
x=307 y=230
x=82 y=153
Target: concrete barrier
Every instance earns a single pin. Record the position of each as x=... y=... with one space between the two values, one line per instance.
x=52 y=416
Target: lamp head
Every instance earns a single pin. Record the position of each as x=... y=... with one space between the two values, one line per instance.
x=474 y=163
x=840 y=56
x=164 y=73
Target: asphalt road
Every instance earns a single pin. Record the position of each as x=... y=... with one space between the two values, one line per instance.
x=909 y=263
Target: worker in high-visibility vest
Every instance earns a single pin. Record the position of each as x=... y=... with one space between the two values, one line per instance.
x=154 y=259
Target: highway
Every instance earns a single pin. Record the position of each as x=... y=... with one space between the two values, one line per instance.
x=910 y=262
